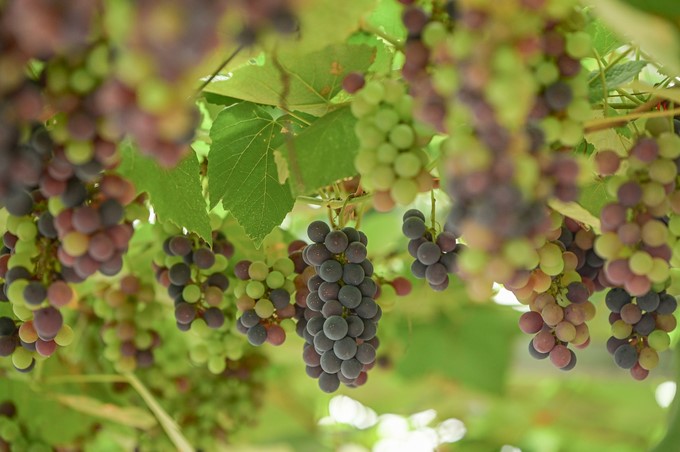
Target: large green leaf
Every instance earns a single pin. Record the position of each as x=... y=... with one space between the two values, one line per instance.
x=473 y=347
x=594 y=197
x=309 y=81
x=241 y=168
x=655 y=35
x=175 y=194
x=614 y=77
x=665 y=8
x=322 y=153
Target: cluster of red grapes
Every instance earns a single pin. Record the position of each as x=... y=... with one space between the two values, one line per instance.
x=340 y=320
x=557 y=293
x=128 y=310
x=435 y=254
x=635 y=228
x=264 y=296
x=391 y=159
x=194 y=273
x=640 y=328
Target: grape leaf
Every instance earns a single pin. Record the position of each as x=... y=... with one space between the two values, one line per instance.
x=655 y=35
x=387 y=17
x=595 y=196
x=176 y=194
x=604 y=40
x=665 y=8
x=313 y=79
x=322 y=153
x=241 y=168
x=614 y=77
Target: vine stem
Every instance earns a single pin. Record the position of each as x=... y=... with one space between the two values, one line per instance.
x=93 y=378
x=433 y=211
x=169 y=425
x=369 y=28
x=619 y=121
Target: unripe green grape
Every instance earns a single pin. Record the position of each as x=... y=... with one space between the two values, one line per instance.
x=79 y=152
x=653 y=193
x=112 y=352
x=258 y=271
x=433 y=34
x=404 y=191
x=547 y=73
x=109 y=336
x=217 y=364
x=674 y=224
x=199 y=353
x=125 y=364
x=143 y=340
x=550 y=254
x=240 y=289
x=659 y=340
x=275 y=280
x=220 y=265
x=98 y=61
x=571 y=133
x=663 y=171
x=382 y=177
x=22 y=358
x=27 y=231
x=21 y=260
x=565 y=331
x=385 y=119
x=641 y=263
x=407 y=165
x=579 y=110
x=552 y=270
x=405 y=108
x=28 y=248
x=57 y=78
x=15 y=291
x=386 y=153
x=657 y=126
x=191 y=293
x=648 y=358
x=552 y=128
x=22 y=312
x=621 y=330
x=521 y=253
x=13 y=223
x=10 y=432
x=473 y=260
x=264 y=308
x=365 y=161
x=659 y=272
x=462 y=43
x=394 y=91
x=285 y=266
x=215 y=348
x=82 y=81
x=402 y=136
x=608 y=245
x=446 y=80
x=579 y=44
x=289 y=286
x=654 y=233
x=361 y=108
x=669 y=145
x=200 y=329
x=569 y=277
x=154 y=96
x=373 y=92
x=369 y=137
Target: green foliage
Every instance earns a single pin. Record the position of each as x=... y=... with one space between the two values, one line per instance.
x=242 y=172
x=604 y=40
x=176 y=194
x=614 y=77
x=309 y=80
x=322 y=153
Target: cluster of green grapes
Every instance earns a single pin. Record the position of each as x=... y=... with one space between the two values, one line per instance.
x=264 y=294
x=391 y=159
x=557 y=292
x=640 y=228
x=129 y=310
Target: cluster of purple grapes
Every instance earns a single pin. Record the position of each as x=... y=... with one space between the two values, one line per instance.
x=264 y=297
x=435 y=254
x=340 y=320
x=194 y=274
x=640 y=327
x=636 y=227
x=128 y=310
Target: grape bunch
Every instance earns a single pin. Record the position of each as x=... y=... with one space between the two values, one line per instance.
x=640 y=327
x=391 y=159
x=14 y=433
x=194 y=274
x=558 y=295
x=636 y=235
x=340 y=321
x=435 y=254
x=129 y=311
x=264 y=295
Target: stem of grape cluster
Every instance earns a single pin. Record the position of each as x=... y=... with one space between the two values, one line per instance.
x=433 y=211
x=619 y=121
